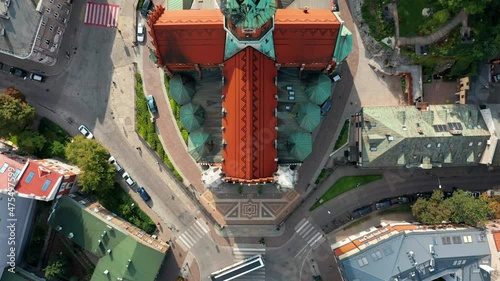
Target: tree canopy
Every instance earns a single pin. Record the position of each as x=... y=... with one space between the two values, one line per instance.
x=462 y=207
x=15 y=115
x=30 y=142
x=470 y=6
x=91 y=157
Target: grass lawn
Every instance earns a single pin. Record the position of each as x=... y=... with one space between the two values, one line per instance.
x=410 y=16
x=342 y=185
x=322 y=176
x=343 y=137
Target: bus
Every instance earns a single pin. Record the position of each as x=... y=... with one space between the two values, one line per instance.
x=238 y=269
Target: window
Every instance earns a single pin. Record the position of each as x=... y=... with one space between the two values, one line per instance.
x=4 y=167
x=479 y=143
x=40 y=59
x=47 y=10
x=47 y=41
x=59 y=5
x=362 y=261
x=438 y=144
x=456 y=240
x=455 y=263
x=29 y=177
x=59 y=32
x=467 y=239
x=51 y=28
x=470 y=143
x=56 y=15
x=446 y=240
x=39 y=37
x=376 y=255
x=43 y=23
x=51 y=1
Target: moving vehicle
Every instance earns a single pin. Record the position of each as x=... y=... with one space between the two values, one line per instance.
x=113 y=161
x=128 y=179
x=86 y=132
x=18 y=72
x=151 y=104
x=144 y=195
x=37 y=77
x=140 y=32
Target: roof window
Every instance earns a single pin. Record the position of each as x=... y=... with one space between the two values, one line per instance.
x=29 y=177
x=4 y=167
x=362 y=261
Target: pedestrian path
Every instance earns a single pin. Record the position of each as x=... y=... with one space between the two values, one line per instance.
x=246 y=251
x=193 y=234
x=101 y=14
x=310 y=233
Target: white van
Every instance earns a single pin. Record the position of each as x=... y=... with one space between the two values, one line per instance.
x=36 y=77
x=113 y=161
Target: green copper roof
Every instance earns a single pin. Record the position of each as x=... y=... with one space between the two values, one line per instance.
x=404 y=136
x=265 y=45
x=192 y=116
x=249 y=13
x=319 y=89
x=181 y=89
x=300 y=145
x=174 y=4
x=308 y=116
x=198 y=144
x=343 y=47
x=95 y=236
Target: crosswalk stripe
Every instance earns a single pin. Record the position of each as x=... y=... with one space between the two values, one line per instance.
x=204 y=228
x=196 y=231
x=316 y=240
x=314 y=237
x=101 y=14
x=301 y=224
x=185 y=242
x=310 y=227
x=190 y=237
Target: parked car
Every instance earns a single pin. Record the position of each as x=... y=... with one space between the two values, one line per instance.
x=37 y=77
x=145 y=7
x=475 y=194
x=144 y=195
x=113 y=161
x=425 y=195
x=128 y=179
x=86 y=132
x=326 y=106
x=151 y=104
x=336 y=78
x=386 y=203
x=18 y=72
x=405 y=199
x=140 y=32
x=362 y=211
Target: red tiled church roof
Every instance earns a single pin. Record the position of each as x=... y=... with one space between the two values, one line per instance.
x=189 y=37
x=250 y=122
x=307 y=38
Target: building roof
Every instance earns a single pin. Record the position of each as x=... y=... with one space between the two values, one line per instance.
x=10 y=169
x=97 y=237
x=344 y=44
x=250 y=121
x=438 y=135
x=39 y=181
x=190 y=36
x=181 y=89
x=308 y=38
x=383 y=253
x=8 y=276
x=192 y=116
x=250 y=14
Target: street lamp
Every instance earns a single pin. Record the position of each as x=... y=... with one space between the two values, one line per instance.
x=439 y=182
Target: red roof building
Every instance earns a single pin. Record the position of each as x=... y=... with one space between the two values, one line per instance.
x=37 y=179
x=249 y=124
x=249 y=40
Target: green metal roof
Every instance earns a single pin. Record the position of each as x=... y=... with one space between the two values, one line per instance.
x=181 y=89
x=343 y=47
x=319 y=89
x=96 y=237
x=192 y=116
x=174 y=4
x=198 y=144
x=8 y=276
x=308 y=116
x=248 y=14
x=403 y=136
x=300 y=145
x=265 y=45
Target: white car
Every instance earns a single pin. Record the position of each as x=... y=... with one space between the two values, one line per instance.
x=86 y=132
x=128 y=179
x=113 y=161
x=140 y=32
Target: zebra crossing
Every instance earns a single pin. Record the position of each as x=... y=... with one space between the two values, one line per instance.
x=246 y=251
x=193 y=234
x=309 y=232
x=101 y=14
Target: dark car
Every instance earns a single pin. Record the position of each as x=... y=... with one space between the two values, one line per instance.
x=386 y=203
x=405 y=199
x=144 y=194
x=145 y=7
x=326 y=106
x=18 y=72
x=362 y=211
x=425 y=195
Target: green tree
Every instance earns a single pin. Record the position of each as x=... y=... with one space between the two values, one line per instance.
x=432 y=211
x=467 y=209
x=30 y=142
x=57 y=268
x=15 y=115
x=57 y=149
x=91 y=157
x=470 y=6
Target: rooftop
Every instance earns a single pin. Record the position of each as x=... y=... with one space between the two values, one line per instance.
x=121 y=256
x=10 y=168
x=385 y=252
x=39 y=181
x=20 y=29
x=436 y=135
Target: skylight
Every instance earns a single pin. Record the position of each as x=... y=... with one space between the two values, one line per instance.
x=4 y=167
x=46 y=185
x=29 y=177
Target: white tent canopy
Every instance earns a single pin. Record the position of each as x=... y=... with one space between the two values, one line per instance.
x=212 y=177
x=285 y=177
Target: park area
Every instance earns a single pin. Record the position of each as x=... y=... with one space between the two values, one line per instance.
x=342 y=185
